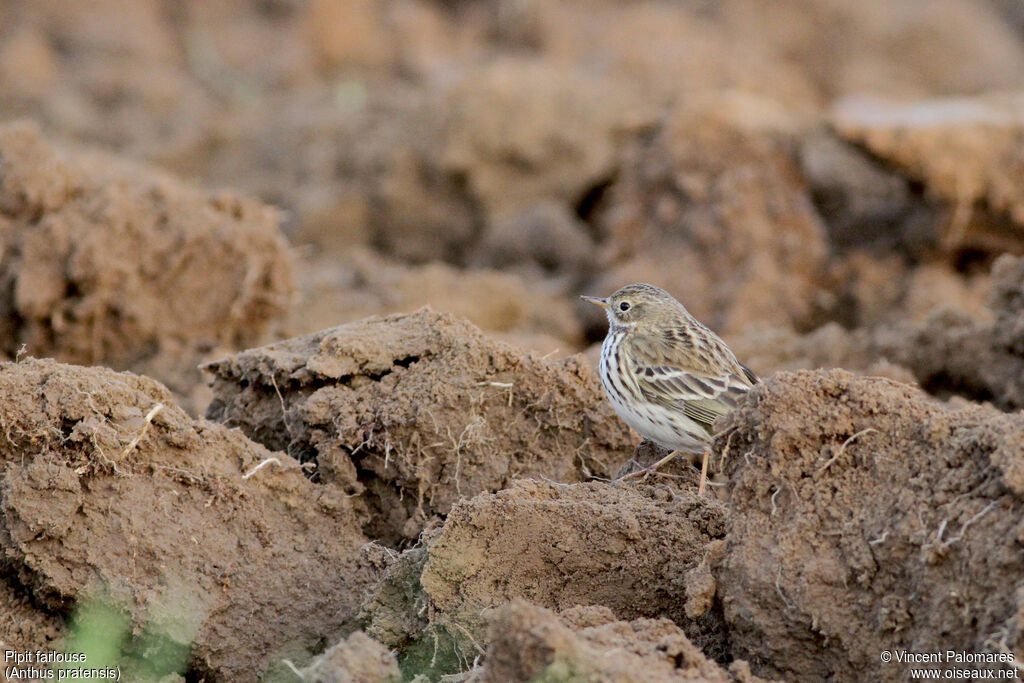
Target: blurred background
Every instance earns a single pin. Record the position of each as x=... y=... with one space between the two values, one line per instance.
x=816 y=180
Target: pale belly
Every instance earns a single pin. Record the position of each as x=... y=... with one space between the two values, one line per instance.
x=653 y=421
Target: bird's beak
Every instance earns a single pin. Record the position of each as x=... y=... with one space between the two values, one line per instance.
x=596 y=300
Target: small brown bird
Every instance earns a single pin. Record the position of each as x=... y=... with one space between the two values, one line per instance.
x=667 y=375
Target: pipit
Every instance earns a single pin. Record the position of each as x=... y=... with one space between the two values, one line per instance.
x=668 y=376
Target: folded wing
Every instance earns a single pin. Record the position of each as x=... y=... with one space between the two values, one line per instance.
x=704 y=382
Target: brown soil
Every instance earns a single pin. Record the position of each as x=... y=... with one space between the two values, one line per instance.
x=529 y=643
x=586 y=544
x=347 y=287
x=23 y=625
x=825 y=184
x=101 y=490
x=714 y=208
x=106 y=262
x=866 y=516
x=557 y=546
x=355 y=659
x=968 y=151
x=409 y=413
x=978 y=355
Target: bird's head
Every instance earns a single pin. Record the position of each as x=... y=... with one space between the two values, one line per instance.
x=637 y=305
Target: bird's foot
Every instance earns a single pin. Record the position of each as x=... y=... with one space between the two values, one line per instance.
x=652 y=469
x=648 y=471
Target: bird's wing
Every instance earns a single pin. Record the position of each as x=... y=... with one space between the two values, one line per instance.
x=703 y=382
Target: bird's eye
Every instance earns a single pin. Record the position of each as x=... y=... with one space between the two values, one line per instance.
x=624 y=306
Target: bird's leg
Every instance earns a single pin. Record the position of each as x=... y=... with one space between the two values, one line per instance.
x=649 y=470
x=653 y=468
x=703 y=474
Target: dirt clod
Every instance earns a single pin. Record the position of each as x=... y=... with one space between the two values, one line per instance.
x=108 y=262
x=396 y=612
x=397 y=486
x=967 y=151
x=101 y=490
x=531 y=643
x=356 y=659
x=23 y=625
x=360 y=284
x=867 y=516
x=713 y=208
x=558 y=546
x=410 y=413
x=977 y=356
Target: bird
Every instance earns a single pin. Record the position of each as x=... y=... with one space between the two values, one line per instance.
x=667 y=375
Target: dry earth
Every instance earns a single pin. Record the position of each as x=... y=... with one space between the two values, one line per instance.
x=382 y=491
x=409 y=413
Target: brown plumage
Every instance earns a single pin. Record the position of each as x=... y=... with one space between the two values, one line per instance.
x=668 y=376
